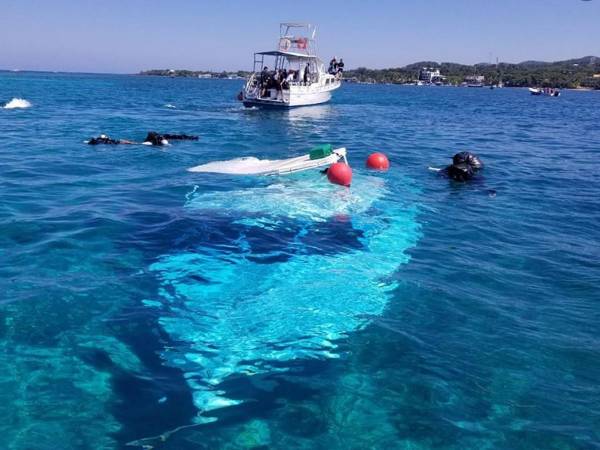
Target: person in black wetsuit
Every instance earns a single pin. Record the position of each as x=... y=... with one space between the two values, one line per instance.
x=464 y=167
x=265 y=79
x=155 y=138
x=180 y=137
x=152 y=138
x=333 y=66
x=104 y=139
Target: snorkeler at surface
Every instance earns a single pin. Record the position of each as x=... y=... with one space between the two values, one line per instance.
x=152 y=138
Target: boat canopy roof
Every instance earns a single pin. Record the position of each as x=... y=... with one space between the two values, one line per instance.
x=290 y=55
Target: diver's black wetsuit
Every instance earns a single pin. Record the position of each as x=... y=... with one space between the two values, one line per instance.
x=152 y=138
x=157 y=139
x=103 y=140
x=464 y=167
x=457 y=173
x=180 y=137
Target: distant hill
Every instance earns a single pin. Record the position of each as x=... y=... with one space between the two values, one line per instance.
x=572 y=73
x=585 y=61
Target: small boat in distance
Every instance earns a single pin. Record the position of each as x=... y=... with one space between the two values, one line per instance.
x=295 y=75
x=545 y=91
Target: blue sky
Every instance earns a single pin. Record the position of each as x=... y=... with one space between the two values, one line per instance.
x=130 y=35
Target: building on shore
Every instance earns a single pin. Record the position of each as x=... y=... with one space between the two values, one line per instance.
x=474 y=80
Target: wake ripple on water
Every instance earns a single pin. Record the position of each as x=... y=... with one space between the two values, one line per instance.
x=236 y=316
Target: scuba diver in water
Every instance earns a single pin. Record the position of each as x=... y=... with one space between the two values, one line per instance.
x=104 y=139
x=464 y=167
x=152 y=138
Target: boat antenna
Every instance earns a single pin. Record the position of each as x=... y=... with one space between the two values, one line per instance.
x=314 y=32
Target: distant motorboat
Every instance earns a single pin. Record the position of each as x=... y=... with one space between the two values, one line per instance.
x=545 y=91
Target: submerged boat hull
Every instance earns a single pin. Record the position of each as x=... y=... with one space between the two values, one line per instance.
x=255 y=166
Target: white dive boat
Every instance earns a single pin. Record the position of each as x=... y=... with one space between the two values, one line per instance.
x=292 y=75
x=323 y=155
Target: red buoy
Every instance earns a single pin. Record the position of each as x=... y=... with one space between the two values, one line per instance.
x=340 y=173
x=378 y=161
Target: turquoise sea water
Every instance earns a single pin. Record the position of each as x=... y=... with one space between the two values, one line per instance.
x=143 y=304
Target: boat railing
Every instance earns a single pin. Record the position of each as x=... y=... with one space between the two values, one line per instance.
x=252 y=86
x=297 y=37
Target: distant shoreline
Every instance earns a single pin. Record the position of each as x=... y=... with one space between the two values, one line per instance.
x=573 y=73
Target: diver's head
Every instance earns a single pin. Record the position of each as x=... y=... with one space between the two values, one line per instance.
x=153 y=138
x=459 y=158
x=467 y=159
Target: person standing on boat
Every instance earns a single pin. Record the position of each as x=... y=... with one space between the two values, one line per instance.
x=284 y=79
x=340 y=67
x=264 y=81
x=291 y=76
x=306 y=73
x=278 y=79
x=333 y=65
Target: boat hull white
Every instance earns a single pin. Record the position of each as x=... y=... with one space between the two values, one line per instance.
x=295 y=96
x=315 y=98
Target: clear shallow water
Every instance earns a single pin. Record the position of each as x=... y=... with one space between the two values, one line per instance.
x=409 y=312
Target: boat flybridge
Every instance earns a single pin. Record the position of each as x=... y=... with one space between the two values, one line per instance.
x=292 y=75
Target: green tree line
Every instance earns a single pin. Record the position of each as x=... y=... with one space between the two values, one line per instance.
x=572 y=73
